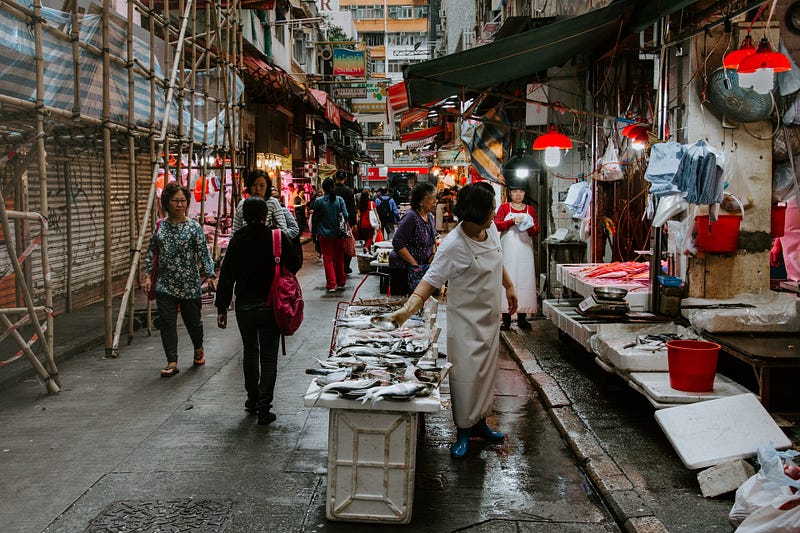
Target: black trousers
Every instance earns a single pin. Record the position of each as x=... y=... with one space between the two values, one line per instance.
x=168 y=317
x=260 y=339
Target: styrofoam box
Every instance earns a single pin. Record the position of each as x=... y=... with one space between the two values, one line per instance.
x=610 y=341
x=371 y=465
x=637 y=296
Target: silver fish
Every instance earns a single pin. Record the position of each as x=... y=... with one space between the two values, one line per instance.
x=407 y=389
x=334 y=377
x=345 y=386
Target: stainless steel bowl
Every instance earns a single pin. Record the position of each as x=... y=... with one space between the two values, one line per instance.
x=610 y=293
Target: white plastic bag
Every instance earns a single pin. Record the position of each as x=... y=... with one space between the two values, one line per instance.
x=610 y=169
x=752 y=496
x=780 y=516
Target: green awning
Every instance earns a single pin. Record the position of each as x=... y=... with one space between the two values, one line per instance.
x=530 y=52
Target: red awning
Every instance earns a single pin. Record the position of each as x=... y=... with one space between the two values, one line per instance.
x=421 y=134
x=333 y=112
x=398 y=100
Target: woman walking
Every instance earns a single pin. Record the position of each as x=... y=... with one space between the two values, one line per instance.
x=257 y=183
x=181 y=246
x=366 y=231
x=325 y=225
x=248 y=270
x=517 y=225
x=471 y=261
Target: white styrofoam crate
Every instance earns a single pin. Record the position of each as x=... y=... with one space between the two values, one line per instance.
x=563 y=314
x=717 y=431
x=371 y=465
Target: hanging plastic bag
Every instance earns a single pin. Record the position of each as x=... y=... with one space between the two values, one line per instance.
x=736 y=186
x=610 y=169
x=668 y=207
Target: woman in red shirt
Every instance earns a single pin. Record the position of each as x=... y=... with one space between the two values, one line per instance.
x=517 y=224
x=365 y=229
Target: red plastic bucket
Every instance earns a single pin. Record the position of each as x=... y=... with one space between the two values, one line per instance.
x=778 y=220
x=721 y=236
x=692 y=365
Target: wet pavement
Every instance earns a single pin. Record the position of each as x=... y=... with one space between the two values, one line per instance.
x=121 y=446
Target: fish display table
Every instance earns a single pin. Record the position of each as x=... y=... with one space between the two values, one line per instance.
x=372 y=444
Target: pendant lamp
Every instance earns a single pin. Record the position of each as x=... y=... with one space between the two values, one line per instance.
x=552 y=143
x=758 y=70
x=520 y=166
x=734 y=58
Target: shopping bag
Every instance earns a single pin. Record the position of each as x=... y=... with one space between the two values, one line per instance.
x=378 y=235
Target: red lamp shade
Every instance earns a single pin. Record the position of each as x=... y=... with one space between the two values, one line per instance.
x=764 y=58
x=634 y=130
x=552 y=139
x=734 y=58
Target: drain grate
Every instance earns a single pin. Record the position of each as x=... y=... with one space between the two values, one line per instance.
x=201 y=516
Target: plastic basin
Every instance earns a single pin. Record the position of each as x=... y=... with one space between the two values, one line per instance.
x=692 y=365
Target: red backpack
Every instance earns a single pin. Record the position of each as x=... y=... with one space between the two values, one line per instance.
x=285 y=295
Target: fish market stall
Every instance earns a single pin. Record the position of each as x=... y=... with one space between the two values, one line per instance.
x=376 y=384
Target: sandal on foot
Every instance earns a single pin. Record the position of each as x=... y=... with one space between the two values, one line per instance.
x=169 y=371
x=199 y=357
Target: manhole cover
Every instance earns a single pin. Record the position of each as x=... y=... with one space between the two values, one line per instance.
x=204 y=516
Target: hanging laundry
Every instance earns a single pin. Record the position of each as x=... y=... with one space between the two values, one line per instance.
x=664 y=161
x=700 y=174
x=576 y=195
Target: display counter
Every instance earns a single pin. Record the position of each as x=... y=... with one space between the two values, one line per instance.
x=372 y=444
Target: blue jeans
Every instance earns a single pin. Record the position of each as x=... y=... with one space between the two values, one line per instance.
x=260 y=354
x=168 y=319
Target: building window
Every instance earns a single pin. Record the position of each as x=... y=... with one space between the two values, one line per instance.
x=396 y=66
x=377 y=66
x=374 y=39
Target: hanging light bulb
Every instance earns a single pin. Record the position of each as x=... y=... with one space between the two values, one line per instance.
x=734 y=58
x=552 y=156
x=758 y=70
x=552 y=143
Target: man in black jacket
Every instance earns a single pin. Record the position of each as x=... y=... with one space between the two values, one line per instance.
x=341 y=189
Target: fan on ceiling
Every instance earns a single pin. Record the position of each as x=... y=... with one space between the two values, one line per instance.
x=735 y=103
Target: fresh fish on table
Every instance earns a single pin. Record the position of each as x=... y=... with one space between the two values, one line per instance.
x=360 y=349
x=347 y=386
x=334 y=377
x=323 y=371
x=406 y=390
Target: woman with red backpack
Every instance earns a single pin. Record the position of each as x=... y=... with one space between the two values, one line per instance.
x=248 y=270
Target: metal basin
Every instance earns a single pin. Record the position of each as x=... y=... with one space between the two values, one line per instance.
x=610 y=293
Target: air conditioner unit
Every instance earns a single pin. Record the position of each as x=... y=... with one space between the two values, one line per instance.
x=309 y=39
x=442 y=14
x=336 y=135
x=440 y=28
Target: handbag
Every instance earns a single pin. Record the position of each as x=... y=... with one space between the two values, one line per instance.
x=151 y=294
x=344 y=227
x=350 y=245
x=285 y=295
x=374 y=220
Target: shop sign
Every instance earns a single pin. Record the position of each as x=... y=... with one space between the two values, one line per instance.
x=374 y=101
x=248 y=126
x=350 y=92
x=286 y=162
x=349 y=62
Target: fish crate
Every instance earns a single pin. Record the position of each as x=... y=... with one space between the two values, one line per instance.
x=371 y=466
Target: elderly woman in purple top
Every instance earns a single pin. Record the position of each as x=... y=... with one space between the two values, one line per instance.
x=414 y=241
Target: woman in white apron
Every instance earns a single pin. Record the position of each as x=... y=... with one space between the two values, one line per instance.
x=517 y=225
x=470 y=259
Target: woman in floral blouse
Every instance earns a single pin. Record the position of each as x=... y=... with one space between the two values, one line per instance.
x=181 y=246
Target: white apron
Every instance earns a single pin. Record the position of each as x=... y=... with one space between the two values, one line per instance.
x=473 y=331
x=519 y=263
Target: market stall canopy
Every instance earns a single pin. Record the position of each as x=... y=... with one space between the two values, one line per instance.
x=527 y=53
x=333 y=112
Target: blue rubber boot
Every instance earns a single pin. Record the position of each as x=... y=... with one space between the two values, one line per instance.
x=459 y=447
x=482 y=429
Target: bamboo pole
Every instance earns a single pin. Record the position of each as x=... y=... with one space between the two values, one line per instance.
x=68 y=201
x=107 y=243
x=207 y=60
x=50 y=383
x=152 y=194
x=76 y=65
x=47 y=343
x=133 y=196
x=18 y=310
x=151 y=143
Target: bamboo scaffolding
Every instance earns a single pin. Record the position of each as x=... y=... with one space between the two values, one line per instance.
x=47 y=344
x=107 y=176
x=133 y=189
